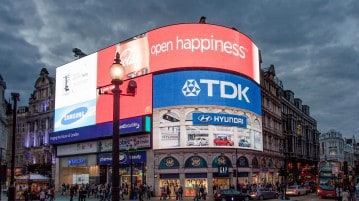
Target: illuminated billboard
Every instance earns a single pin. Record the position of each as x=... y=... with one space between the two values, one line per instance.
x=175 y=47
x=198 y=108
x=76 y=94
x=204 y=46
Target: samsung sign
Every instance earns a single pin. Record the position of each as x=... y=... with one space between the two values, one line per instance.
x=79 y=161
x=219 y=119
x=206 y=88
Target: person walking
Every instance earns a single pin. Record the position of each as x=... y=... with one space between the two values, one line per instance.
x=338 y=192
x=345 y=195
x=72 y=192
x=42 y=195
x=180 y=192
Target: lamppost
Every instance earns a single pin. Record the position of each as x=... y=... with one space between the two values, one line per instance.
x=15 y=97
x=117 y=73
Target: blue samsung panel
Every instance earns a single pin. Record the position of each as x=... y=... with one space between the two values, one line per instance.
x=206 y=88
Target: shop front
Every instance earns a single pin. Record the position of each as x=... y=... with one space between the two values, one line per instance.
x=132 y=165
x=82 y=169
x=221 y=178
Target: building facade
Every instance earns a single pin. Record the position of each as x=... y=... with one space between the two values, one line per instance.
x=301 y=146
x=212 y=124
x=3 y=121
x=33 y=153
x=331 y=146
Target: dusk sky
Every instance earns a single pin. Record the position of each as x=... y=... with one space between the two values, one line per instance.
x=313 y=44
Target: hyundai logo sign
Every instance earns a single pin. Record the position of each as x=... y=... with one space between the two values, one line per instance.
x=219 y=119
x=204 y=118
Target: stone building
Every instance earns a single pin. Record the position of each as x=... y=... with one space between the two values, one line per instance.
x=301 y=146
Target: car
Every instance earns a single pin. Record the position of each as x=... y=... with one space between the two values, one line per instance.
x=263 y=193
x=310 y=186
x=296 y=190
x=198 y=141
x=223 y=140
x=244 y=143
x=230 y=195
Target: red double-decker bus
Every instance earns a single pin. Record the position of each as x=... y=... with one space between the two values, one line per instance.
x=329 y=172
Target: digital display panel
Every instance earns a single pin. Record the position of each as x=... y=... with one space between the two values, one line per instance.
x=75 y=99
x=203 y=45
x=206 y=87
x=201 y=109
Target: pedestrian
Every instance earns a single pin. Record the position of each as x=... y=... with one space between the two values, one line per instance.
x=72 y=192
x=26 y=194
x=52 y=193
x=149 y=191
x=42 y=195
x=345 y=195
x=180 y=192
x=338 y=192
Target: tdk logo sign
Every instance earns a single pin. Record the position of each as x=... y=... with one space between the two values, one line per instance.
x=74 y=115
x=219 y=119
x=228 y=90
x=200 y=87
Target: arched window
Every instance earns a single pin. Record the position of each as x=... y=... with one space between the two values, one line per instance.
x=195 y=162
x=169 y=163
x=255 y=163
x=221 y=160
x=242 y=162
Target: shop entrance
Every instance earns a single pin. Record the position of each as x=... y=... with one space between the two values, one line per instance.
x=220 y=183
x=169 y=184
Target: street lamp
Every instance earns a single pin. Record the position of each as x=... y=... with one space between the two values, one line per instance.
x=15 y=97
x=117 y=73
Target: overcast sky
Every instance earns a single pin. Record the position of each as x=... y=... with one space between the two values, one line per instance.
x=313 y=44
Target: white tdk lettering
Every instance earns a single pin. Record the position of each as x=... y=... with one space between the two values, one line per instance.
x=223 y=85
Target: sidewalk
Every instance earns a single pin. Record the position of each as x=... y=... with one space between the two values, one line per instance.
x=60 y=197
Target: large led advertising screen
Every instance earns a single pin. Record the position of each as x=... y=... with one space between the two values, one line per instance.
x=75 y=96
x=199 y=108
x=203 y=45
x=175 y=47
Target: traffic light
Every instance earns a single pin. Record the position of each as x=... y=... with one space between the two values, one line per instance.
x=345 y=167
x=282 y=171
x=3 y=172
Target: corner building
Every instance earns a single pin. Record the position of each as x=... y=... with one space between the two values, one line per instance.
x=196 y=118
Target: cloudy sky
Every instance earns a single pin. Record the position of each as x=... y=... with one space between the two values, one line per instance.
x=314 y=44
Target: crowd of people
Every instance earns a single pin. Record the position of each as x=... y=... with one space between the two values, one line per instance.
x=348 y=192
x=104 y=192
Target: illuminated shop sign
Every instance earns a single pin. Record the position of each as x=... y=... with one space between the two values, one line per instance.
x=139 y=141
x=130 y=125
x=219 y=119
x=138 y=157
x=79 y=161
x=206 y=88
x=223 y=171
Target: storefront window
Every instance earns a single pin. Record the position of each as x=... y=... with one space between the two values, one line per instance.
x=192 y=184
